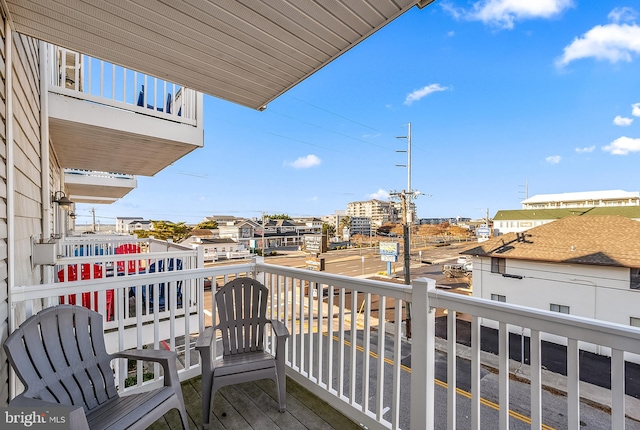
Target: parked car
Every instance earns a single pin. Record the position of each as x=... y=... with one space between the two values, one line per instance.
x=464 y=259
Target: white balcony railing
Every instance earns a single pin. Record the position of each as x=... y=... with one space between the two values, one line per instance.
x=93 y=174
x=341 y=326
x=83 y=77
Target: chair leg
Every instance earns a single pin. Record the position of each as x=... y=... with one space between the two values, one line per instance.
x=207 y=398
x=184 y=417
x=281 y=385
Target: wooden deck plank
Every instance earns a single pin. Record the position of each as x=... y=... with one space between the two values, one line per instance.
x=253 y=405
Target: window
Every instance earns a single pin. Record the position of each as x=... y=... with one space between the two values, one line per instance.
x=498 y=298
x=559 y=308
x=634 y=281
x=634 y=321
x=497 y=265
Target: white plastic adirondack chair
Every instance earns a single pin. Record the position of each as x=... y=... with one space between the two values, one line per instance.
x=241 y=306
x=59 y=355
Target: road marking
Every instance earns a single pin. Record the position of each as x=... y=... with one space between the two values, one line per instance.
x=486 y=402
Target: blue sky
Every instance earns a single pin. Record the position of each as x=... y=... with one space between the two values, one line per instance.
x=500 y=93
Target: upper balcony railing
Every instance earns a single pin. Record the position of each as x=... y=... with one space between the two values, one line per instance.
x=94 y=174
x=77 y=75
x=343 y=328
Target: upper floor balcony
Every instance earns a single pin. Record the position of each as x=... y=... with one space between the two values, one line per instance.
x=87 y=186
x=107 y=118
x=348 y=348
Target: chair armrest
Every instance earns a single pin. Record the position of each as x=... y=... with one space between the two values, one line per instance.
x=204 y=345
x=77 y=417
x=279 y=328
x=166 y=358
x=205 y=339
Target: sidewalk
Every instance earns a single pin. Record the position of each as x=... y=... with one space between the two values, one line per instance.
x=550 y=380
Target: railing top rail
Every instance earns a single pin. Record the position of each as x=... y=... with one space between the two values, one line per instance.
x=590 y=330
x=127 y=257
x=72 y=240
x=32 y=292
x=169 y=244
x=388 y=289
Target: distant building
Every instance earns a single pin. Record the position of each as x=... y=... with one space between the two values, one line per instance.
x=123 y=223
x=513 y=221
x=217 y=248
x=334 y=220
x=545 y=208
x=360 y=225
x=587 y=199
x=377 y=211
x=437 y=221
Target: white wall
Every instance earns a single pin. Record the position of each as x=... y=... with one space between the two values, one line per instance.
x=599 y=292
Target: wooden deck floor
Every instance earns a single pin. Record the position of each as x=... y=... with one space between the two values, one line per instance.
x=254 y=405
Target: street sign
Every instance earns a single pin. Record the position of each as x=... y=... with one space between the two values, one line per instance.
x=391 y=258
x=389 y=248
x=316 y=243
x=483 y=231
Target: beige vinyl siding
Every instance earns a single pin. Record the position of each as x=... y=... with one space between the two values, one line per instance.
x=27 y=154
x=4 y=306
x=27 y=185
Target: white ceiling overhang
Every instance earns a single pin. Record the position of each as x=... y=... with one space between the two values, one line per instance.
x=246 y=51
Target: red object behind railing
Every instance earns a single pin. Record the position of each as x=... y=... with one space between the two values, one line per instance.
x=129 y=248
x=85 y=273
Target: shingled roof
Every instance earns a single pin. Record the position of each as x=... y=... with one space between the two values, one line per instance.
x=610 y=240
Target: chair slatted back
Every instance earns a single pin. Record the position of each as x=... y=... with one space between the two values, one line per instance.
x=60 y=356
x=241 y=306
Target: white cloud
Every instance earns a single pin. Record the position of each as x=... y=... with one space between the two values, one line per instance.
x=423 y=92
x=380 y=195
x=304 y=162
x=504 y=13
x=623 y=14
x=613 y=42
x=554 y=159
x=623 y=146
x=585 y=149
x=635 y=109
x=622 y=121
x=451 y=33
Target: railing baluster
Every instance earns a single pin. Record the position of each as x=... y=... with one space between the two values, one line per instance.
x=617 y=389
x=319 y=326
x=313 y=287
x=397 y=361
x=330 y=351
x=101 y=78
x=366 y=353
x=475 y=373
x=535 y=368
x=301 y=327
x=382 y=316
x=503 y=377
x=341 y=342
x=451 y=370
x=354 y=342
x=573 y=384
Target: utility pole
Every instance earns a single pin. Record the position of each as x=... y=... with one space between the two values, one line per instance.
x=93 y=220
x=407 y=218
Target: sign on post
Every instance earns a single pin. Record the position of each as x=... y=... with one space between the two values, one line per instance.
x=315 y=243
x=483 y=231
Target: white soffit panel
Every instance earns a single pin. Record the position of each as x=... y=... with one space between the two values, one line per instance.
x=246 y=51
